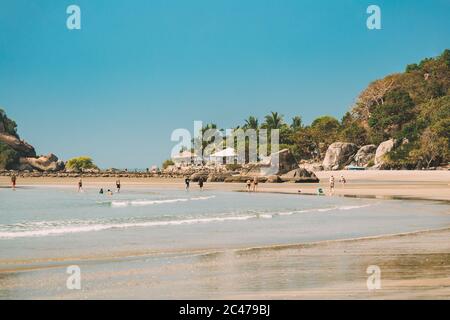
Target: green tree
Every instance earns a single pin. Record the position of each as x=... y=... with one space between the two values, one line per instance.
x=167 y=163
x=80 y=163
x=273 y=121
x=251 y=123
x=296 y=123
x=324 y=131
x=9 y=126
x=8 y=156
x=388 y=119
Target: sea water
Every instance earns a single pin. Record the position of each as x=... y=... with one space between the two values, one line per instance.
x=56 y=222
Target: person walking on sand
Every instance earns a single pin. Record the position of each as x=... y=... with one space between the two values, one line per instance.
x=13 y=181
x=200 y=183
x=118 y=185
x=332 y=185
x=342 y=180
x=80 y=185
x=249 y=184
x=255 y=184
x=187 y=181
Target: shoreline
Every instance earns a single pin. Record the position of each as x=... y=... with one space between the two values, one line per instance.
x=401 y=184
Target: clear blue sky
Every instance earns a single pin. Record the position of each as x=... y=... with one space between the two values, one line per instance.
x=138 y=69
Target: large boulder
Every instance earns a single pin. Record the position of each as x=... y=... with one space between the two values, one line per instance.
x=244 y=179
x=219 y=177
x=300 y=175
x=195 y=177
x=383 y=149
x=23 y=148
x=277 y=163
x=364 y=155
x=339 y=154
x=43 y=163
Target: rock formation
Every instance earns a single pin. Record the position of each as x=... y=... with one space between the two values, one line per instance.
x=20 y=155
x=364 y=155
x=339 y=154
x=43 y=163
x=300 y=175
x=277 y=163
x=384 y=148
x=23 y=148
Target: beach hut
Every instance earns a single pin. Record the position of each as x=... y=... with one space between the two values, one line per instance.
x=227 y=155
x=186 y=158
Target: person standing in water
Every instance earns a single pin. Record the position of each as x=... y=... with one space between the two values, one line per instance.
x=13 y=181
x=80 y=185
x=249 y=184
x=255 y=184
x=200 y=183
x=118 y=185
x=186 y=182
x=332 y=185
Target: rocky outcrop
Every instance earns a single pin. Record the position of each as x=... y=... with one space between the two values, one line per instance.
x=43 y=163
x=339 y=154
x=364 y=155
x=202 y=174
x=24 y=149
x=383 y=149
x=277 y=163
x=300 y=175
x=219 y=177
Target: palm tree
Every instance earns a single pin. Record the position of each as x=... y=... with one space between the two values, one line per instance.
x=251 y=123
x=273 y=121
x=296 y=122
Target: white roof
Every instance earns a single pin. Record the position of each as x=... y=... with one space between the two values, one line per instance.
x=228 y=152
x=184 y=155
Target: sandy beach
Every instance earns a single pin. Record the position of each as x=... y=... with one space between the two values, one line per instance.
x=432 y=185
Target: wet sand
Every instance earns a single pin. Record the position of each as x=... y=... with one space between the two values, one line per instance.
x=413 y=266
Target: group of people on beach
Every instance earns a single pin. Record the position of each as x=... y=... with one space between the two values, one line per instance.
x=342 y=180
x=187 y=182
x=252 y=185
x=102 y=191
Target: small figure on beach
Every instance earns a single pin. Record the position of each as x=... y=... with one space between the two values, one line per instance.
x=80 y=185
x=101 y=191
x=109 y=192
x=200 y=183
x=186 y=182
x=249 y=184
x=332 y=185
x=255 y=184
x=118 y=185
x=13 y=181
x=342 y=180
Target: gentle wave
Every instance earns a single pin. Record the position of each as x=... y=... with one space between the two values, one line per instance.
x=288 y=213
x=139 y=203
x=78 y=226
x=99 y=227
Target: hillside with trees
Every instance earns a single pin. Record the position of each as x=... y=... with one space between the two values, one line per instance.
x=411 y=108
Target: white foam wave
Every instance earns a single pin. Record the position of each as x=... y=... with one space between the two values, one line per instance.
x=99 y=227
x=138 y=203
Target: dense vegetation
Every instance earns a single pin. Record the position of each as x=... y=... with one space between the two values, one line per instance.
x=8 y=156
x=411 y=107
x=80 y=163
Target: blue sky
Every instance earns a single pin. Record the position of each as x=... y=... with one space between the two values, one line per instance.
x=137 y=70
